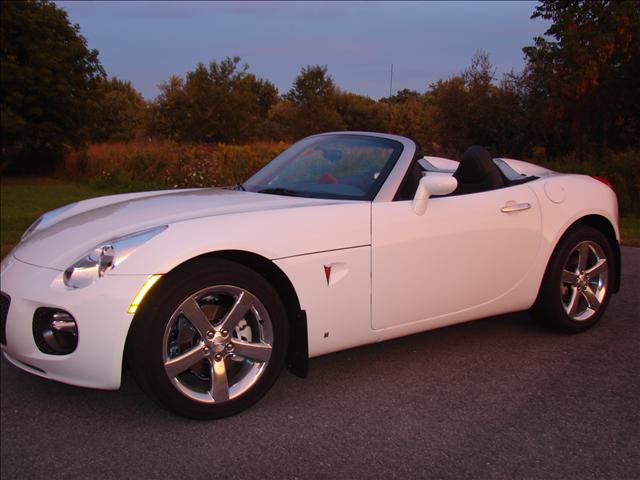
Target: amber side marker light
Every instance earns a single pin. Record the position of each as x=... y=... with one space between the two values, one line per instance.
x=142 y=292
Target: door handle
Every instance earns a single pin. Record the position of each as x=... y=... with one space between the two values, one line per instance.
x=515 y=207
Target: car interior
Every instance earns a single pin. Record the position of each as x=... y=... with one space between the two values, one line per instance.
x=476 y=172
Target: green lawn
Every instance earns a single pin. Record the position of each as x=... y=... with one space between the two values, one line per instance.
x=25 y=199
x=22 y=200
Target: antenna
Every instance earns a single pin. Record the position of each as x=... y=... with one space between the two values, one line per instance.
x=391 y=81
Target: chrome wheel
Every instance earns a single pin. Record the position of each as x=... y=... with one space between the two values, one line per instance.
x=217 y=344
x=584 y=281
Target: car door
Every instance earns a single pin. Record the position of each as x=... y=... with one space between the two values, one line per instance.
x=463 y=253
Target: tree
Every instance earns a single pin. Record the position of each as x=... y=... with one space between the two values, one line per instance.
x=517 y=122
x=402 y=96
x=310 y=105
x=410 y=117
x=312 y=86
x=218 y=103
x=120 y=112
x=482 y=119
x=472 y=108
x=47 y=79
x=170 y=109
x=481 y=73
x=450 y=100
x=589 y=69
x=359 y=112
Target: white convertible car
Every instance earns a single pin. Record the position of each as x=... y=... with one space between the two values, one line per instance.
x=343 y=240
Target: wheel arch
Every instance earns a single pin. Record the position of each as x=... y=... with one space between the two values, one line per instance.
x=606 y=228
x=603 y=225
x=298 y=350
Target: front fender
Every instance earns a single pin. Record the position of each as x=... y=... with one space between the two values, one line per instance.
x=272 y=235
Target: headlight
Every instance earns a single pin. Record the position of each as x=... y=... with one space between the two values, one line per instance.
x=105 y=257
x=45 y=219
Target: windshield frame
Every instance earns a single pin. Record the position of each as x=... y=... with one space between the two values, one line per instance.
x=252 y=184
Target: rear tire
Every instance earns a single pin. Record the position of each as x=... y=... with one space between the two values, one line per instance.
x=576 y=287
x=209 y=340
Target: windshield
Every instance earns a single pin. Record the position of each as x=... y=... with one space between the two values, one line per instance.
x=342 y=166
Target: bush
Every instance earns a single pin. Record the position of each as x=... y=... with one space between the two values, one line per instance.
x=622 y=169
x=130 y=166
x=168 y=164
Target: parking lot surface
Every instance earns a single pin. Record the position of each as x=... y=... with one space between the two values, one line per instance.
x=497 y=398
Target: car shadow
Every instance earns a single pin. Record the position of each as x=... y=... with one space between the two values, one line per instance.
x=464 y=341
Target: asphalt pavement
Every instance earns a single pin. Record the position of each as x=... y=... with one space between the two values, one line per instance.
x=500 y=398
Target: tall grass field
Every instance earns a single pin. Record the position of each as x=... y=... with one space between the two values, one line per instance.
x=167 y=164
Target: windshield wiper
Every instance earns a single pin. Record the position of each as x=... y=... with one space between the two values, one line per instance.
x=237 y=186
x=282 y=191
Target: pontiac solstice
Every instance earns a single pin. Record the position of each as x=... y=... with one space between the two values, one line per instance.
x=342 y=240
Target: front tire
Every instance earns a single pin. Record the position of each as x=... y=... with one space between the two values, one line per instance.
x=210 y=340
x=577 y=284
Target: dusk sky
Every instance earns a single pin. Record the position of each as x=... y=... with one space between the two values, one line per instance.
x=146 y=42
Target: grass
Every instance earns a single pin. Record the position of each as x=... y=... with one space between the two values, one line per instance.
x=630 y=231
x=23 y=200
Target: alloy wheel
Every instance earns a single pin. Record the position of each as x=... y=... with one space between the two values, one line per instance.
x=584 y=281
x=217 y=344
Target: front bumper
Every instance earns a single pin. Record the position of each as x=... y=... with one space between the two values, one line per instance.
x=100 y=311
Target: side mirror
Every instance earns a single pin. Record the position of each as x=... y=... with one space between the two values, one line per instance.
x=432 y=184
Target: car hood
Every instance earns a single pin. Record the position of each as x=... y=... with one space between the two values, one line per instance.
x=74 y=230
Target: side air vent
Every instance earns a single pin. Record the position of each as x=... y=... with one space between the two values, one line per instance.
x=5 y=300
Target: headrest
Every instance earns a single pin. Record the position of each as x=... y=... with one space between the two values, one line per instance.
x=476 y=164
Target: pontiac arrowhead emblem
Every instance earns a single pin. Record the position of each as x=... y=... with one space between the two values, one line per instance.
x=327 y=272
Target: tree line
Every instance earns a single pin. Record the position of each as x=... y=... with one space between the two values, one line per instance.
x=578 y=93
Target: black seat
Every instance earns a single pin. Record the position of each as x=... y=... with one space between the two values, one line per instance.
x=477 y=172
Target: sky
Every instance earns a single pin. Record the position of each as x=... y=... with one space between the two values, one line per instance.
x=147 y=42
